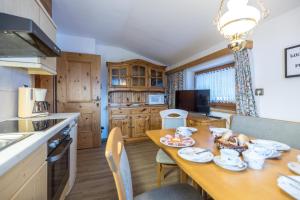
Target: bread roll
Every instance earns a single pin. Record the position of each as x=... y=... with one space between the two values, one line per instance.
x=227 y=135
x=243 y=139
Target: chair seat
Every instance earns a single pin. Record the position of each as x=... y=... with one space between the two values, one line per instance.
x=171 y=192
x=163 y=158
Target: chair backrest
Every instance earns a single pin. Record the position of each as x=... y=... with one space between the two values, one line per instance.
x=118 y=162
x=173 y=118
x=281 y=131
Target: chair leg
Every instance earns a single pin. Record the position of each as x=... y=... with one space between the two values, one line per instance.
x=183 y=177
x=159 y=175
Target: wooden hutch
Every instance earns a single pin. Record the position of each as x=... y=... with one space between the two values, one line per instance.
x=129 y=84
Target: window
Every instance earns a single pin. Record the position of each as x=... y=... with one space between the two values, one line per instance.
x=221 y=83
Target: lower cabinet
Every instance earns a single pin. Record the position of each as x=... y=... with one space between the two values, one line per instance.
x=36 y=187
x=140 y=124
x=134 y=122
x=123 y=122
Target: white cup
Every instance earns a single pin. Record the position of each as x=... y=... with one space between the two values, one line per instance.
x=254 y=160
x=230 y=156
x=184 y=132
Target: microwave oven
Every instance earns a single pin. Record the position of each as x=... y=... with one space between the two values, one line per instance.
x=156 y=99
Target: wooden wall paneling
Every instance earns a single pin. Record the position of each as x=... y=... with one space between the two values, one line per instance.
x=48 y=6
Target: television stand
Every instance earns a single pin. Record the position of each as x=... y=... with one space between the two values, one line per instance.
x=198 y=119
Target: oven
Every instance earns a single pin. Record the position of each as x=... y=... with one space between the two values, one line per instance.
x=58 y=163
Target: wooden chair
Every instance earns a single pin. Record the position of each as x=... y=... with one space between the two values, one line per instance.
x=118 y=162
x=171 y=118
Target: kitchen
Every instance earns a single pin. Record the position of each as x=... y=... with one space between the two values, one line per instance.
x=38 y=147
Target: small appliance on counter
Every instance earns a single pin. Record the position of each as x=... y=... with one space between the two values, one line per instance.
x=156 y=99
x=32 y=102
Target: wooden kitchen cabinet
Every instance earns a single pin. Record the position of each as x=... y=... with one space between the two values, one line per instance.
x=123 y=122
x=36 y=187
x=195 y=119
x=135 y=121
x=27 y=176
x=140 y=124
x=136 y=75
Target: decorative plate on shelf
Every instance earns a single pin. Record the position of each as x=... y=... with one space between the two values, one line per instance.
x=178 y=142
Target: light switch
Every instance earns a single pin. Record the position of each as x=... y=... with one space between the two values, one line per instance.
x=259 y=92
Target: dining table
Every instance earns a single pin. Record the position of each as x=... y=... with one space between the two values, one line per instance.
x=222 y=184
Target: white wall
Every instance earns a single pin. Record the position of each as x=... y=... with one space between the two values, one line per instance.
x=282 y=96
x=107 y=53
x=10 y=80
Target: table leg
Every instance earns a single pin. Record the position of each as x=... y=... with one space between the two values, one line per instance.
x=183 y=177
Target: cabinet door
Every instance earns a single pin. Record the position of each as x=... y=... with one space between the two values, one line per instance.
x=123 y=122
x=36 y=187
x=157 y=78
x=138 y=76
x=140 y=123
x=73 y=156
x=119 y=76
x=155 y=122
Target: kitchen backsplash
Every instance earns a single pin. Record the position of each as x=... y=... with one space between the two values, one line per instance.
x=10 y=80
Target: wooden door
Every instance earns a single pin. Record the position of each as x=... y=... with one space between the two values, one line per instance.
x=123 y=122
x=78 y=90
x=140 y=124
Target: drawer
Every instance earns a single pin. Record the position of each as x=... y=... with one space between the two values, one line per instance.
x=140 y=111
x=157 y=110
x=120 y=111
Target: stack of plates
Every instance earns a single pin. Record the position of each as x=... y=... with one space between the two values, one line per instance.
x=290 y=184
x=196 y=154
x=272 y=144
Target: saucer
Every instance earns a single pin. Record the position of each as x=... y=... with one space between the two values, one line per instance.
x=272 y=144
x=237 y=168
x=294 y=167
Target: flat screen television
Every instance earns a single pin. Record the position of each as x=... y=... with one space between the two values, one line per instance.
x=193 y=100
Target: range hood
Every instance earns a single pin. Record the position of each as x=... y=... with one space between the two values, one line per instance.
x=21 y=37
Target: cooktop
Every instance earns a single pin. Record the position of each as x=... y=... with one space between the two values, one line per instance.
x=27 y=125
x=13 y=131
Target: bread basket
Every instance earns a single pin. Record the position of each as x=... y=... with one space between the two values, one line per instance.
x=221 y=144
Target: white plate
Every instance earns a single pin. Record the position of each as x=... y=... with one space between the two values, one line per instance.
x=194 y=154
x=274 y=144
x=186 y=142
x=294 y=167
x=183 y=128
x=220 y=163
x=289 y=186
x=265 y=151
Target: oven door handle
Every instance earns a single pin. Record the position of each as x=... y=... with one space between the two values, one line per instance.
x=56 y=157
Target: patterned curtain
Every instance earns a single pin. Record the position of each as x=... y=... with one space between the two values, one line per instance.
x=245 y=102
x=175 y=82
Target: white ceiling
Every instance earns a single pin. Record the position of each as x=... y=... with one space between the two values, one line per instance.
x=167 y=31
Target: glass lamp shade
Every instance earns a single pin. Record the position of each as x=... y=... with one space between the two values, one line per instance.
x=240 y=18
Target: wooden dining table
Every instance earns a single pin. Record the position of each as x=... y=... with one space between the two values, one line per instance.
x=222 y=184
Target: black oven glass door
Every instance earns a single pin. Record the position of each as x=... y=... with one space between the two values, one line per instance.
x=58 y=169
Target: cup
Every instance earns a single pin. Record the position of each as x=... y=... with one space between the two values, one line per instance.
x=230 y=156
x=254 y=160
x=298 y=158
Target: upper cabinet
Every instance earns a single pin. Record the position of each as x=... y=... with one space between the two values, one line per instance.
x=136 y=75
x=36 y=11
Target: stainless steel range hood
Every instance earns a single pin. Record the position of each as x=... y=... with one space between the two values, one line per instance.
x=21 y=37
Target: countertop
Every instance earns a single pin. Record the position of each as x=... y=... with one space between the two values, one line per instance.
x=15 y=153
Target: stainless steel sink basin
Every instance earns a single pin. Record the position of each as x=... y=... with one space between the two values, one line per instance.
x=9 y=139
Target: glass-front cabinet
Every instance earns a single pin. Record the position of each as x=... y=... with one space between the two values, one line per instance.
x=119 y=76
x=139 y=76
x=157 y=78
x=136 y=75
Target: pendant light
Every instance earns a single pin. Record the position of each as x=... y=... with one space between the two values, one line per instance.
x=238 y=21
